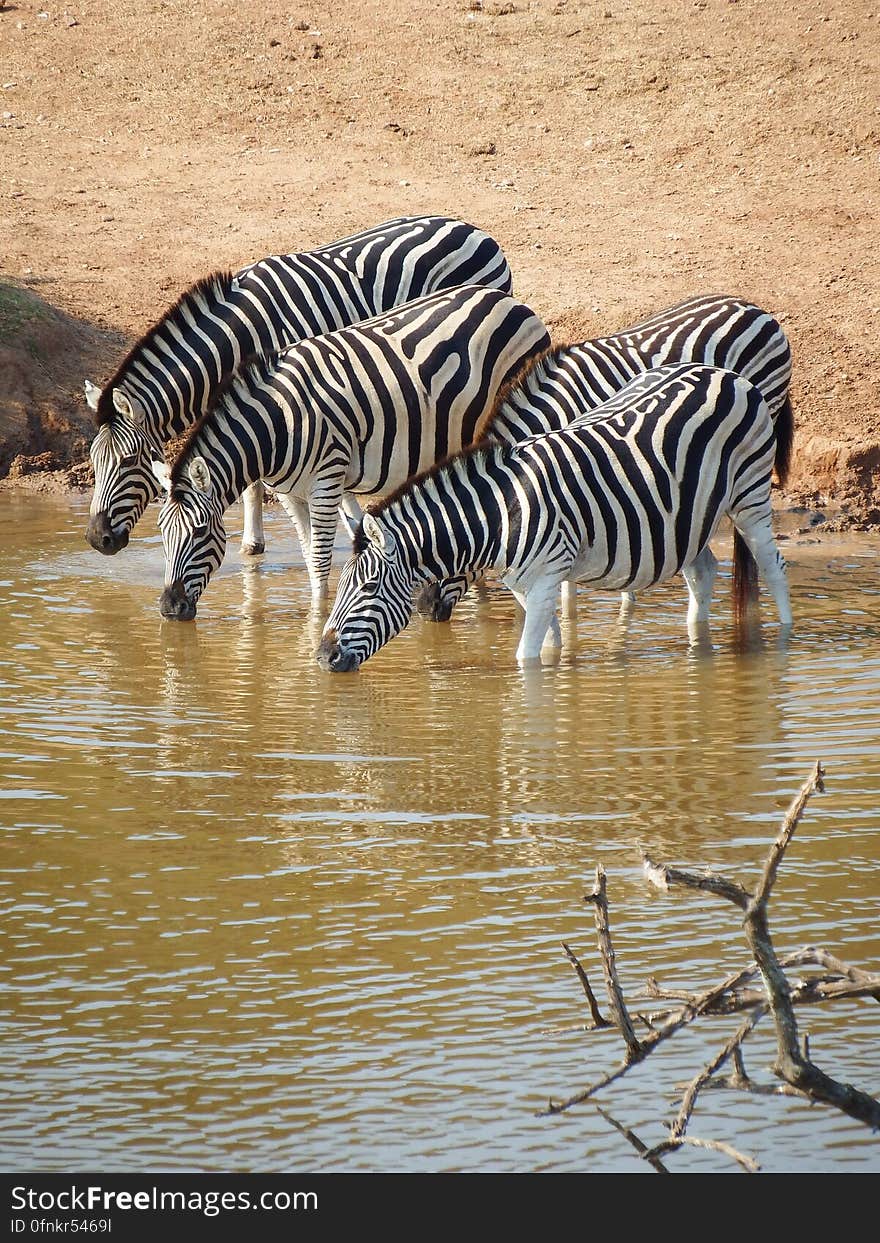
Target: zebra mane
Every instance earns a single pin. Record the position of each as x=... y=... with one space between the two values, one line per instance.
x=184 y=445
x=484 y=427
x=214 y=288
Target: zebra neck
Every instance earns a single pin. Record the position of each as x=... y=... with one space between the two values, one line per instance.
x=177 y=369
x=448 y=522
x=240 y=441
x=562 y=386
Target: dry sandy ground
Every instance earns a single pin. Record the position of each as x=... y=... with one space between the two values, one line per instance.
x=626 y=153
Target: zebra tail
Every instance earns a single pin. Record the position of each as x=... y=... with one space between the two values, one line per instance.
x=745 y=579
x=783 y=426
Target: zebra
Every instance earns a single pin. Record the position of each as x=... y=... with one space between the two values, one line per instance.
x=360 y=409
x=717 y=329
x=172 y=374
x=621 y=502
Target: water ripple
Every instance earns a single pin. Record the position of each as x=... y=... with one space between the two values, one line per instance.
x=280 y=920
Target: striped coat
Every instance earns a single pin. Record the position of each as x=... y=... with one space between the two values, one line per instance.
x=623 y=502
x=172 y=375
x=358 y=410
x=568 y=381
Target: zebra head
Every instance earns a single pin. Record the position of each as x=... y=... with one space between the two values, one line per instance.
x=122 y=454
x=373 y=601
x=193 y=536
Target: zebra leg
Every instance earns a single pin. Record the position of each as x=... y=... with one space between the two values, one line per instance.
x=700 y=578
x=324 y=504
x=627 y=602
x=298 y=513
x=539 y=605
x=553 y=636
x=351 y=513
x=758 y=536
x=253 y=538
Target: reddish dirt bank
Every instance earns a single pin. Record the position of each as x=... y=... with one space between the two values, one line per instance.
x=626 y=155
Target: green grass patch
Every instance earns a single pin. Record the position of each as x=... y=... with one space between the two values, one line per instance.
x=18 y=308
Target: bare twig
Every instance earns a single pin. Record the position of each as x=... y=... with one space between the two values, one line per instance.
x=814 y=956
x=793 y=1066
x=598 y=1019
x=598 y=898
x=671 y=1145
x=813 y=784
x=810 y=992
x=815 y=990
x=680 y=1019
x=757 y=928
x=689 y=1100
x=641 y=1148
x=662 y=877
x=740 y=1076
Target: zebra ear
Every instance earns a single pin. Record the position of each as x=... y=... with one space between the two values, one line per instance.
x=124 y=405
x=92 y=394
x=163 y=475
x=377 y=535
x=199 y=475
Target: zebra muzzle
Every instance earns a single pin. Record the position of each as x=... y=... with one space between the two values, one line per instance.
x=332 y=659
x=430 y=602
x=175 y=604
x=102 y=537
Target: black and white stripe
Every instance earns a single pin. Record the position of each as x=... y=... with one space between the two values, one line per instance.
x=622 y=502
x=358 y=410
x=715 y=329
x=172 y=374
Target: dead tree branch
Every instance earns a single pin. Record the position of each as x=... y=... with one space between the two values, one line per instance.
x=599 y=1019
x=717 y=1145
x=598 y=897
x=778 y=997
x=640 y=1147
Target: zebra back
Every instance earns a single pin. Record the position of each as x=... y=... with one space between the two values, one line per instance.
x=356 y=410
x=174 y=370
x=714 y=329
x=651 y=470
x=389 y=396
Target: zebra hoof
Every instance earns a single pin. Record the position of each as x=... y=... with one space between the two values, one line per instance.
x=252 y=550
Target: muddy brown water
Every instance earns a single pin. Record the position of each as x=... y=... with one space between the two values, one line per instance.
x=257 y=917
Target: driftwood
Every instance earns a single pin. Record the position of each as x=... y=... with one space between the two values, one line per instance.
x=738 y=993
